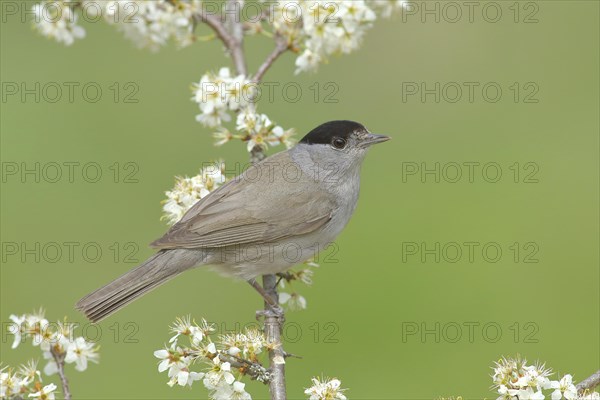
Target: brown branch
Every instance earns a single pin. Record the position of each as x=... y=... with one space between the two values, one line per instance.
x=253 y=370
x=288 y=276
x=281 y=47
x=274 y=319
x=215 y=24
x=231 y=32
x=589 y=383
x=234 y=24
x=59 y=359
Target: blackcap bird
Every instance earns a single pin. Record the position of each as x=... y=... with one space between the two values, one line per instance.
x=276 y=214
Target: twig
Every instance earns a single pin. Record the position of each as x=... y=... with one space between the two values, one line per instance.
x=253 y=370
x=59 y=359
x=215 y=24
x=288 y=276
x=589 y=382
x=232 y=35
x=280 y=47
x=273 y=326
x=257 y=154
x=236 y=29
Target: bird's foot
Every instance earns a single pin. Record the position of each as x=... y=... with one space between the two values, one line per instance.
x=272 y=312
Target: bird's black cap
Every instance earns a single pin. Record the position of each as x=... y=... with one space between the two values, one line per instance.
x=323 y=134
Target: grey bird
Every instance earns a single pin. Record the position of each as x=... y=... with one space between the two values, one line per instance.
x=279 y=212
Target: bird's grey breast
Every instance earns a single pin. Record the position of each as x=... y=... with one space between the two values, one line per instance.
x=332 y=180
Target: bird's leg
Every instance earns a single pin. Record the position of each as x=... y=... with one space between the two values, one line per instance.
x=274 y=308
x=262 y=292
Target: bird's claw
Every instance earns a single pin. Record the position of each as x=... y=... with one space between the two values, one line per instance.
x=271 y=312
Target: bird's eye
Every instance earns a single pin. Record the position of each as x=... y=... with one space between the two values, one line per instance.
x=338 y=143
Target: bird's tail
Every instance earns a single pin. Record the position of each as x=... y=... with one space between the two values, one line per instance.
x=153 y=272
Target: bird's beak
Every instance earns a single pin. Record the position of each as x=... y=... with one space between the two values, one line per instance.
x=373 y=139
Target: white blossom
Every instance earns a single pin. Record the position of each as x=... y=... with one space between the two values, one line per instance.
x=218 y=94
x=527 y=394
x=219 y=375
x=305 y=276
x=294 y=301
x=183 y=376
x=232 y=392
x=58 y=21
x=319 y=29
x=183 y=326
x=332 y=27
x=564 y=388
x=250 y=343
x=259 y=131
x=286 y=19
x=52 y=339
x=386 y=8
x=516 y=374
x=79 y=352
x=222 y=136
x=211 y=348
x=16 y=328
x=11 y=383
x=308 y=61
x=325 y=389
x=33 y=326
x=515 y=380
x=239 y=392
x=46 y=393
x=188 y=191
x=50 y=368
x=172 y=359
x=29 y=373
x=37 y=328
x=151 y=24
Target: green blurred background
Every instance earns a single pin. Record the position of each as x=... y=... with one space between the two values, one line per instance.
x=358 y=308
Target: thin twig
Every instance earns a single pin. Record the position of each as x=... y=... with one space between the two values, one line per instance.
x=589 y=382
x=234 y=24
x=273 y=326
x=59 y=359
x=231 y=33
x=280 y=47
x=215 y=24
x=288 y=276
x=254 y=370
x=236 y=49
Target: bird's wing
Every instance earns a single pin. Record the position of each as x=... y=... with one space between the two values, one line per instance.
x=249 y=210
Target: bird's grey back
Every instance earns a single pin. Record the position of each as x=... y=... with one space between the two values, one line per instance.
x=272 y=200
